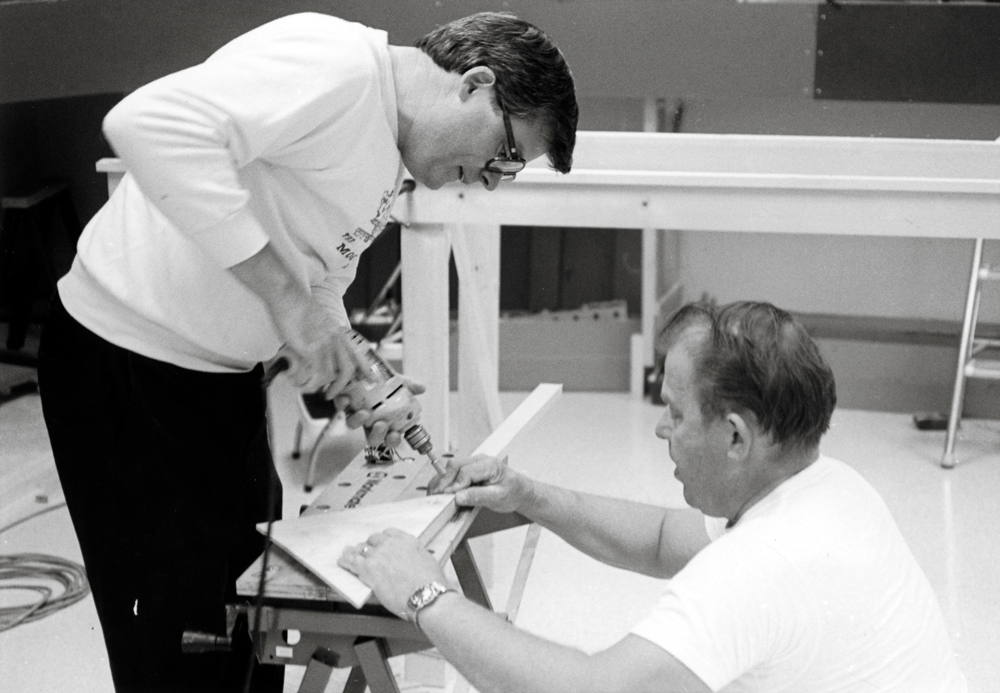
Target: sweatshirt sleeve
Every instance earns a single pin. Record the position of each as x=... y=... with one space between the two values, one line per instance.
x=185 y=137
x=330 y=295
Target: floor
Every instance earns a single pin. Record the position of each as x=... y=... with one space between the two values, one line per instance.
x=595 y=442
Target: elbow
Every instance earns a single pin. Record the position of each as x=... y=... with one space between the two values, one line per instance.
x=120 y=125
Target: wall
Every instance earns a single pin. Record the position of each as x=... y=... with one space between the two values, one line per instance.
x=735 y=67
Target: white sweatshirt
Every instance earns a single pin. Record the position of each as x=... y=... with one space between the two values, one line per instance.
x=286 y=135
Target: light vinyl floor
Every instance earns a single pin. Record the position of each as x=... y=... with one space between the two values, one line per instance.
x=602 y=443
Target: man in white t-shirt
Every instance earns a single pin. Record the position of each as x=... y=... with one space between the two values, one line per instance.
x=255 y=180
x=787 y=574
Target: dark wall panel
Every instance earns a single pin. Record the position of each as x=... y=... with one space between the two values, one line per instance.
x=904 y=52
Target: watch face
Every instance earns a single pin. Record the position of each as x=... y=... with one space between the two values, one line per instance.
x=421 y=596
x=425 y=595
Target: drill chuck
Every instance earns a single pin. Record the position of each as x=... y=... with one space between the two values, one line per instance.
x=418 y=438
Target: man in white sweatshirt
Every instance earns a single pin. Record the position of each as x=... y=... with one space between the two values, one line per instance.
x=255 y=180
x=786 y=574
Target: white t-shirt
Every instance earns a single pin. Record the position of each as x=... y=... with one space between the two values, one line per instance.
x=814 y=589
x=286 y=135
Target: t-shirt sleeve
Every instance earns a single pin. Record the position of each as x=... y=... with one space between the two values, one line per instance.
x=736 y=606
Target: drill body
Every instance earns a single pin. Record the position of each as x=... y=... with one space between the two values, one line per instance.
x=381 y=390
x=378 y=388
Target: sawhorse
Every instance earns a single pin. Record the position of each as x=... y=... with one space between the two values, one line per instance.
x=303 y=621
x=324 y=637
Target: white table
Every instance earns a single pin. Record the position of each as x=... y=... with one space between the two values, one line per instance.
x=651 y=181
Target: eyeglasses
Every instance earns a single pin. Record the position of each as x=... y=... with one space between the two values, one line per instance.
x=510 y=165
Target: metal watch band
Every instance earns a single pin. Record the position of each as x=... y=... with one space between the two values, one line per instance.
x=423 y=597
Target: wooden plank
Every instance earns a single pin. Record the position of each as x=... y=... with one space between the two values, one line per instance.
x=476 y=250
x=650 y=274
x=521 y=572
x=757 y=181
x=425 y=252
x=115 y=170
x=849 y=156
x=768 y=210
x=318 y=540
x=519 y=422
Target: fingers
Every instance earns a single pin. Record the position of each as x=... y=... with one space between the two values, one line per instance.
x=442 y=481
x=352 y=557
x=415 y=386
x=366 y=550
x=475 y=471
x=346 y=363
x=377 y=434
x=386 y=534
x=355 y=418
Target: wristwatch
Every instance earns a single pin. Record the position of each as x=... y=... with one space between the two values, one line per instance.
x=424 y=597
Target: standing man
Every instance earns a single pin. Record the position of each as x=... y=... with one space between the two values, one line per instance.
x=787 y=574
x=255 y=180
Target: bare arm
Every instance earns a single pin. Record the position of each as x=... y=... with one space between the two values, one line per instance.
x=315 y=346
x=494 y=655
x=643 y=538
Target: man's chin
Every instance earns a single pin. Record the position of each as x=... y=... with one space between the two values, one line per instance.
x=431 y=182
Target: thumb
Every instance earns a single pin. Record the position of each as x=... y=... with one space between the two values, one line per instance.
x=479 y=495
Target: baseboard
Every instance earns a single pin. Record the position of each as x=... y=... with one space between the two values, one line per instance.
x=889 y=330
x=880 y=364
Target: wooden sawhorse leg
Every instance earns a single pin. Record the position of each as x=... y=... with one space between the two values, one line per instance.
x=373 y=670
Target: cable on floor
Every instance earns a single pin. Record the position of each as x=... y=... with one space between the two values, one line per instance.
x=33 y=572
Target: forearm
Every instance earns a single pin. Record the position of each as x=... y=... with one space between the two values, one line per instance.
x=638 y=537
x=270 y=279
x=494 y=656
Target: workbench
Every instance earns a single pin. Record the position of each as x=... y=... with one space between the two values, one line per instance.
x=304 y=621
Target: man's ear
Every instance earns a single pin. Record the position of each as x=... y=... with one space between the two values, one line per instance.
x=474 y=79
x=741 y=436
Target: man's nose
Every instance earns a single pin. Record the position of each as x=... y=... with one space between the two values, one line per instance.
x=663 y=427
x=490 y=180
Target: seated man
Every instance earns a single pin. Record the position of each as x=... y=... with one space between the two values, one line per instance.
x=790 y=575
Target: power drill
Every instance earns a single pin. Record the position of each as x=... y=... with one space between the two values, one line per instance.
x=378 y=388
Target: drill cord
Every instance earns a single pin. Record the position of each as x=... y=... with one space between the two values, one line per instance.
x=279 y=365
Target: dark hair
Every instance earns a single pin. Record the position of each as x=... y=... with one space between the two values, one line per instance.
x=753 y=357
x=533 y=79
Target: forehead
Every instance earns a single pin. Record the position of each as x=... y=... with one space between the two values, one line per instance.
x=678 y=376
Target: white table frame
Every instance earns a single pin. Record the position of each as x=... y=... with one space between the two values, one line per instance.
x=654 y=181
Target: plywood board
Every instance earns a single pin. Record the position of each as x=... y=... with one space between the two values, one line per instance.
x=317 y=541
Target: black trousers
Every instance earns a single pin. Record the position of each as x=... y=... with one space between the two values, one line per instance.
x=166 y=471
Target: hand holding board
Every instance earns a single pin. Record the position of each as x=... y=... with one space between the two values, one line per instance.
x=318 y=540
